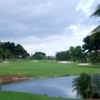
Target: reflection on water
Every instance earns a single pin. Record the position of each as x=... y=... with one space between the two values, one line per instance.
x=58 y=86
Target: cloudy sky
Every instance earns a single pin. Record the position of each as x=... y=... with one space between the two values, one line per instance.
x=49 y=26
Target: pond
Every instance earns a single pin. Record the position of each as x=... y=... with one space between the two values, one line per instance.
x=57 y=86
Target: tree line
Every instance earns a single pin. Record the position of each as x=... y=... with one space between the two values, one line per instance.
x=9 y=50
x=90 y=51
x=42 y=56
x=74 y=54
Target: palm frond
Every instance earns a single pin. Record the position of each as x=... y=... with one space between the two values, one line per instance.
x=97 y=29
x=95 y=36
x=97 y=12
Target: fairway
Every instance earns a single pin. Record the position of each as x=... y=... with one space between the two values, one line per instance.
x=44 y=68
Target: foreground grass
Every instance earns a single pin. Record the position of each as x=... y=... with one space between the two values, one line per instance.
x=46 y=68
x=6 y=95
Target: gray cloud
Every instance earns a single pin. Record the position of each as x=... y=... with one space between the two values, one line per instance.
x=43 y=25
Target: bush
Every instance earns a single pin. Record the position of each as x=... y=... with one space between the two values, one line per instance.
x=94 y=57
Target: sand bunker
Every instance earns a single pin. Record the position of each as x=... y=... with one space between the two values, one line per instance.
x=34 y=61
x=64 y=62
x=83 y=64
x=5 y=61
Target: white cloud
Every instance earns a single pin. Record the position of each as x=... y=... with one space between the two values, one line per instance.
x=85 y=6
x=73 y=27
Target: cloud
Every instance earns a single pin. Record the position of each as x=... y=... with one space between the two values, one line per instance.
x=55 y=43
x=48 y=25
x=34 y=17
x=85 y=5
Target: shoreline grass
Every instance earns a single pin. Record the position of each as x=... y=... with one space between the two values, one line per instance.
x=9 y=95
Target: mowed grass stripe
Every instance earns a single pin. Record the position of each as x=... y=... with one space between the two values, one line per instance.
x=46 y=68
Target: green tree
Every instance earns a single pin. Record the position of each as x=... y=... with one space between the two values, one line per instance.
x=1 y=50
x=76 y=53
x=91 y=48
x=86 y=85
x=94 y=57
x=20 y=51
x=9 y=50
x=39 y=55
x=89 y=45
x=63 y=56
x=50 y=58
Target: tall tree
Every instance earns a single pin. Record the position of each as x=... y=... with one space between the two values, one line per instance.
x=76 y=53
x=9 y=50
x=90 y=45
x=91 y=48
x=63 y=56
x=1 y=50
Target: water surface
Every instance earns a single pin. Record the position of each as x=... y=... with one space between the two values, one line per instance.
x=58 y=86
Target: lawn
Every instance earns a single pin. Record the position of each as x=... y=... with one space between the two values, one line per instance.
x=46 y=68
x=7 y=95
x=41 y=69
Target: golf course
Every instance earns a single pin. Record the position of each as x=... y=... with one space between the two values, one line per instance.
x=49 y=50
x=41 y=69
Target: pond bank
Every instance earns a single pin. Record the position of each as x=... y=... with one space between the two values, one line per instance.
x=17 y=78
x=51 y=76
x=12 y=78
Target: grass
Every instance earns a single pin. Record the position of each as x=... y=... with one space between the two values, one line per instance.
x=46 y=68
x=41 y=69
x=7 y=95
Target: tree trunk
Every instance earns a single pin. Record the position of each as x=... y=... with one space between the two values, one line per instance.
x=90 y=95
x=87 y=96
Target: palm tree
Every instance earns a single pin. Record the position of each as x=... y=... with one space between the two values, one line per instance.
x=7 y=54
x=1 y=51
x=80 y=84
x=86 y=85
x=96 y=32
x=94 y=85
x=4 y=53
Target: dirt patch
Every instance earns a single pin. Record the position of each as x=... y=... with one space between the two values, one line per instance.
x=12 y=78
